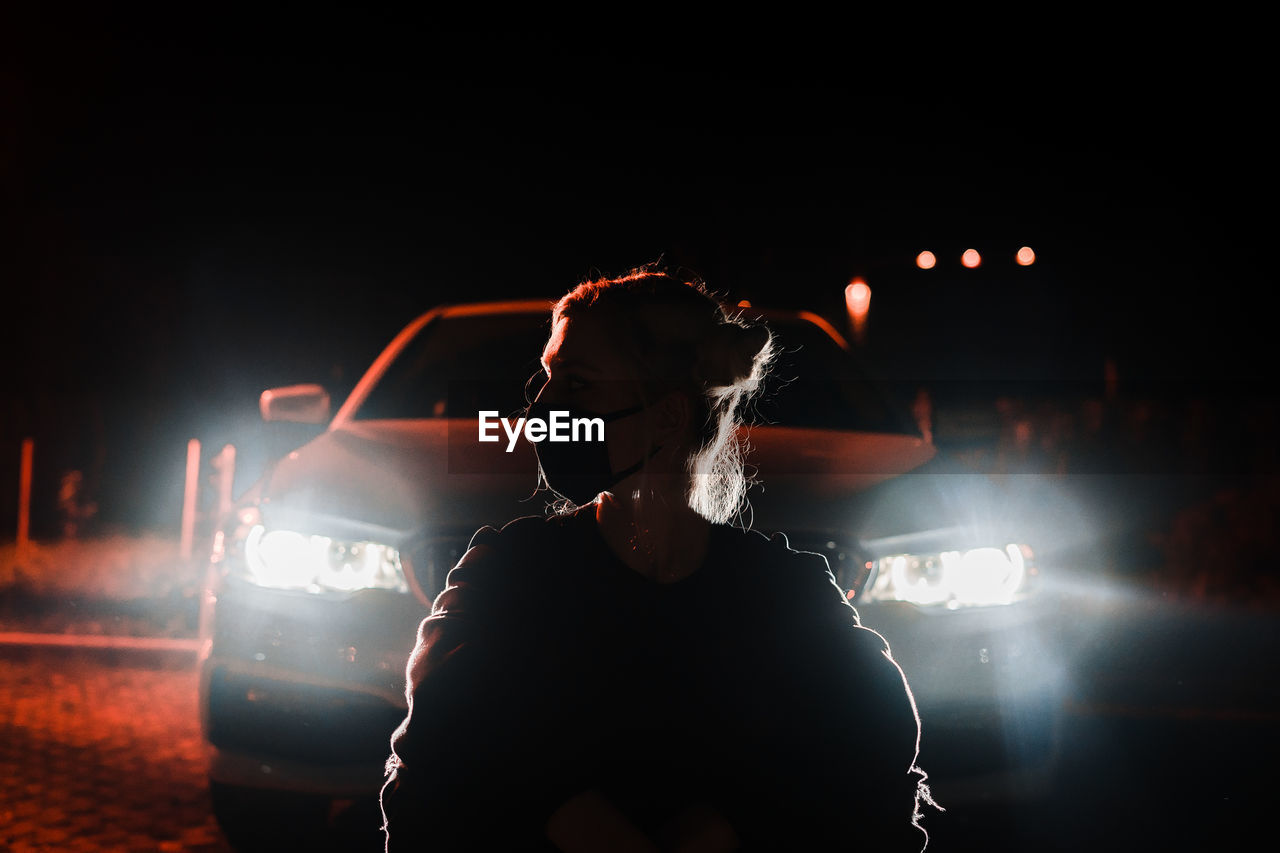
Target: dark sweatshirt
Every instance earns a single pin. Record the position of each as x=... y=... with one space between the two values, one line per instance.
x=549 y=667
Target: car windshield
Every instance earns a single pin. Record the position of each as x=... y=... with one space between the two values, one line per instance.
x=458 y=366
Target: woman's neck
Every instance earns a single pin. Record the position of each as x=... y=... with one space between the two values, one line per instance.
x=659 y=537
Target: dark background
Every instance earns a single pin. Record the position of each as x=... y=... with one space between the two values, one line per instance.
x=197 y=208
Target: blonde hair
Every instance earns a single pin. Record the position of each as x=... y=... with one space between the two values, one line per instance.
x=680 y=338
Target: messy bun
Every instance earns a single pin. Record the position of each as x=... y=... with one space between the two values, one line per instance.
x=679 y=337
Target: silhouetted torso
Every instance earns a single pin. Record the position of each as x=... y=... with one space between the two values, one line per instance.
x=748 y=686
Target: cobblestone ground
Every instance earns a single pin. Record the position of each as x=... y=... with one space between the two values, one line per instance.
x=99 y=752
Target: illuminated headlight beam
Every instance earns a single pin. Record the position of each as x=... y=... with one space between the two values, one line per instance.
x=286 y=559
x=953 y=579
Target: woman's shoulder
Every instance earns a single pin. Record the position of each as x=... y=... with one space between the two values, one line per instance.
x=531 y=536
x=510 y=554
x=772 y=559
x=786 y=580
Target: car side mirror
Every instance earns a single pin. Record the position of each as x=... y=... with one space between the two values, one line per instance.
x=298 y=404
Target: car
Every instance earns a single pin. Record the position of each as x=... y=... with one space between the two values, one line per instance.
x=320 y=574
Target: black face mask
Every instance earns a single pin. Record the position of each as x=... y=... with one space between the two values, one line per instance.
x=580 y=470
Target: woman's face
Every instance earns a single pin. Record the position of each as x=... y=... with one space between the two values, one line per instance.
x=585 y=370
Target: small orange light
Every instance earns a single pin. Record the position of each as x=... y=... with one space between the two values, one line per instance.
x=971 y=258
x=744 y=303
x=858 y=297
x=1026 y=257
x=926 y=260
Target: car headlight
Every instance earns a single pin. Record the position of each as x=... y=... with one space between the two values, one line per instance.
x=954 y=579
x=288 y=559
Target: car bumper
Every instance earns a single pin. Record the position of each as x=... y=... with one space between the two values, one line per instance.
x=303 y=692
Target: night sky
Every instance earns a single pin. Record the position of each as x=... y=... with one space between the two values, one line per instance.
x=197 y=209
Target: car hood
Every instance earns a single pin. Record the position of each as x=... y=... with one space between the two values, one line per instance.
x=891 y=494
x=814 y=479
x=396 y=481
x=947 y=505
x=393 y=478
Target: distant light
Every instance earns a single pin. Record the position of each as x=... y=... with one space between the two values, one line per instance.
x=926 y=260
x=1026 y=257
x=744 y=303
x=858 y=297
x=971 y=258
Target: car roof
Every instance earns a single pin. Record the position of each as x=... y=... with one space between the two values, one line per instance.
x=544 y=306
x=533 y=306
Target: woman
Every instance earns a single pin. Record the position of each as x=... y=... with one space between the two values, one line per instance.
x=634 y=673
